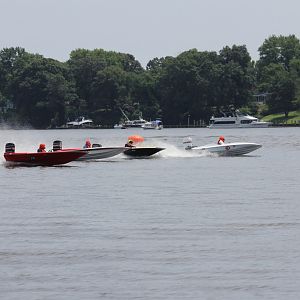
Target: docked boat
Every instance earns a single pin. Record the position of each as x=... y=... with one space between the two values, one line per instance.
x=119 y=126
x=134 y=123
x=139 y=123
x=80 y=122
x=157 y=124
x=41 y=158
x=236 y=119
x=142 y=151
x=95 y=152
x=225 y=149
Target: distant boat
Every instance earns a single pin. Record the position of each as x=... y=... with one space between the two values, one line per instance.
x=130 y=123
x=119 y=126
x=80 y=122
x=157 y=124
x=135 y=123
x=236 y=119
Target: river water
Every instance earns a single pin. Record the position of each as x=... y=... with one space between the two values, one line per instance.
x=175 y=226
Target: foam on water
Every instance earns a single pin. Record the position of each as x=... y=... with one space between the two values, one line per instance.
x=174 y=151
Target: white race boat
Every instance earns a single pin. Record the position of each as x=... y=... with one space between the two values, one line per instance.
x=225 y=149
x=95 y=152
x=101 y=152
x=235 y=119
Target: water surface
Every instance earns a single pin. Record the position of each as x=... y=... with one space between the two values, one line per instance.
x=176 y=226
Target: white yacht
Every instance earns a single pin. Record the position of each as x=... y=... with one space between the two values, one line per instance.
x=157 y=124
x=236 y=119
x=135 y=123
x=130 y=123
x=119 y=126
x=80 y=122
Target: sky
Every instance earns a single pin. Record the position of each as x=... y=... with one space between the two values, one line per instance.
x=144 y=28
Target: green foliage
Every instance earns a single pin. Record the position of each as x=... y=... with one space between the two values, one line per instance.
x=278 y=72
x=194 y=82
x=38 y=87
x=279 y=50
x=97 y=83
x=293 y=118
x=105 y=81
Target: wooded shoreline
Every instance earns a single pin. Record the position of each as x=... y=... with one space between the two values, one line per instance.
x=43 y=92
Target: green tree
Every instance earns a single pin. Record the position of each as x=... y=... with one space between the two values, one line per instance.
x=295 y=75
x=194 y=82
x=104 y=81
x=278 y=81
x=279 y=50
x=238 y=76
x=40 y=90
x=278 y=72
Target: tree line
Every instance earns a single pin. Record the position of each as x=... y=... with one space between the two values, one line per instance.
x=43 y=92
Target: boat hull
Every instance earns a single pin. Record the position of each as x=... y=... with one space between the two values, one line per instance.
x=228 y=149
x=44 y=158
x=142 y=151
x=152 y=127
x=119 y=126
x=98 y=152
x=251 y=125
x=236 y=119
x=101 y=152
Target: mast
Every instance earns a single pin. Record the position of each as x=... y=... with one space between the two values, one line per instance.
x=124 y=114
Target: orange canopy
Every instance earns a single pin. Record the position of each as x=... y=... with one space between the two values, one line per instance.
x=136 y=138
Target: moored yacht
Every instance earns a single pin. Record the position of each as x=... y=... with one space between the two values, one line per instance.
x=236 y=119
x=157 y=124
x=135 y=123
x=80 y=122
x=130 y=123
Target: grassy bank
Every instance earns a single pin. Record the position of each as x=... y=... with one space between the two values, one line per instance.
x=293 y=118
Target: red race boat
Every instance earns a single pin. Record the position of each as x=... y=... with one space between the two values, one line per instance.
x=40 y=158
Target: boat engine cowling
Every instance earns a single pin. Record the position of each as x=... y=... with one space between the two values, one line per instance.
x=57 y=145
x=96 y=145
x=10 y=148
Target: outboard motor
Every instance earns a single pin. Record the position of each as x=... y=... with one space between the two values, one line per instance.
x=57 y=145
x=96 y=145
x=10 y=148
